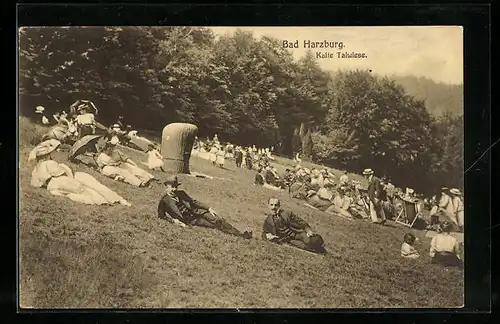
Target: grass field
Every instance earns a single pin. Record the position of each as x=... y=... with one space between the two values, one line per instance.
x=79 y=256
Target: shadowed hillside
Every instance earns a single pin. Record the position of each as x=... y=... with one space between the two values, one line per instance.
x=439 y=97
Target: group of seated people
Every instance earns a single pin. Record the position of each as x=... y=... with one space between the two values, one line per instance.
x=60 y=180
x=176 y=206
x=70 y=127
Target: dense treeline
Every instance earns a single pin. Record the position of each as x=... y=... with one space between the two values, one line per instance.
x=248 y=91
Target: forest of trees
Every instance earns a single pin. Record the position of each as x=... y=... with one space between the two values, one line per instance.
x=247 y=90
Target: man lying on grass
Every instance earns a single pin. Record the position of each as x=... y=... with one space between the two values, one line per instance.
x=283 y=226
x=176 y=206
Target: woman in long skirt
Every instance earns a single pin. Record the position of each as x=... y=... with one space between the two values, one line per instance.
x=221 y=157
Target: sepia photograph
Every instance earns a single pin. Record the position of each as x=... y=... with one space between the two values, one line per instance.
x=241 y=167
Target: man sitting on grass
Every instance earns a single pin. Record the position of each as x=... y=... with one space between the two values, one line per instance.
x=283 y=226
x=176 y=206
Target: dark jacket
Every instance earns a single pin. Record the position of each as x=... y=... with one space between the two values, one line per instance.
x=259 y=180
x=374 y=189
x=285 y=226
x=186 y=209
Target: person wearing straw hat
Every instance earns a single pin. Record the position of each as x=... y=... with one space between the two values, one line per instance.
x=176 y=206
x=40 y=110
x=375 y=195
x=60 y=180
x=445 y=205
x=114 y=164
x=458 y=205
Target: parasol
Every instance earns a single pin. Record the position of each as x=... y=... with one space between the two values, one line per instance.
x=89 y=104
x=140 y=142
x=82 y=144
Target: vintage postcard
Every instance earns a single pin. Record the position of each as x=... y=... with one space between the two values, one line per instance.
x=241 y=167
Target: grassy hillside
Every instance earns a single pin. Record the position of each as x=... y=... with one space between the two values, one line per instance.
x=73 y=255
x=439 y=97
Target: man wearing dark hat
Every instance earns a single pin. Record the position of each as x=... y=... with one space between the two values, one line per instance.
x=376 y=197
x=177 y=205
x=283 y=226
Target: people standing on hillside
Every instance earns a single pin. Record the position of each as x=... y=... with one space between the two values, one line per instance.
x=176 y=206
x=238 y=156
x=213 y=154
x=41 y=110
x=458 y=206
x=390 y=191
x=282 y=226
x=375 y=193
x=446 y=205
x=249 y=159
x=221 y=156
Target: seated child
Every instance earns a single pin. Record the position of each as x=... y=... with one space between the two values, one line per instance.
x=407 y=249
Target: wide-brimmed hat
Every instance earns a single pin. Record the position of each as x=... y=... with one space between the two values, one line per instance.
x=44 y=148
x=39 y=109
x=172 y=180
x=455 y=191
x=367 y=171
x=444 y=189
x=115 y=126
x=316 y=241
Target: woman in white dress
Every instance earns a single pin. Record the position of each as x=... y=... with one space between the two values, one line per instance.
x=458 y=206
x=221 y=156
x=60 y=180
x=155 y=159
x=114 y=164
x=213 y=154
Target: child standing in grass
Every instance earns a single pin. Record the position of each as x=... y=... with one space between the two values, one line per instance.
x=408 y=248
x=155 y=159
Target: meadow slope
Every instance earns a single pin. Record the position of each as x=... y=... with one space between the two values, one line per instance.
x=79 y=256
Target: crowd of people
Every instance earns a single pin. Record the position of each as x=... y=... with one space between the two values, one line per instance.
x=319 y=188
